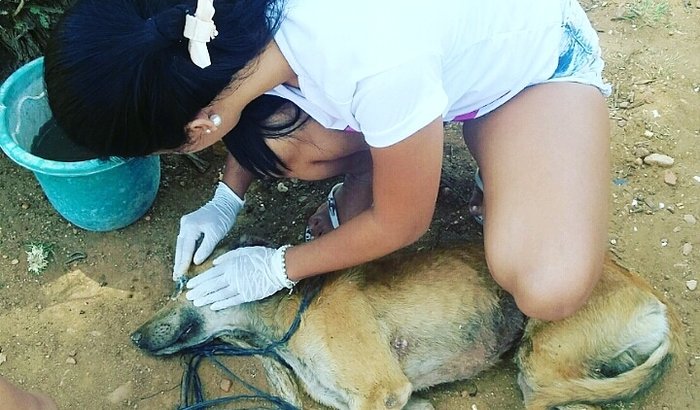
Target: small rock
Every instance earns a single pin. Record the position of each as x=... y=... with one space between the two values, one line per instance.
x=691 y=284
x=659 y=160
x=664 y=242
x=687 y=249
x=690 y=219
x=281 y=187
x=677 y=229
x=25 y=206
x=638 y=161
x=641 y=152
x=472 y=389
x=670 y=178
x=14 y=261
x=71 y=360
x=121 y=393
x=648 y=134
x=621 y=123
x=225 y=385
x=3 y=358
x=697 y=178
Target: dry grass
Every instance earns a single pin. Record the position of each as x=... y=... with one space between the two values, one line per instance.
x=647 y=12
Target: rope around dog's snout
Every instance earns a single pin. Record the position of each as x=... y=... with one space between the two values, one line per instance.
x=192 y=392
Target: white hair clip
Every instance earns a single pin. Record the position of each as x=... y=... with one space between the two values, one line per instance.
x=200 y=30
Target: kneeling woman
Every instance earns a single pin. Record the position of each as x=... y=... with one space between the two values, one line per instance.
x=525 y=78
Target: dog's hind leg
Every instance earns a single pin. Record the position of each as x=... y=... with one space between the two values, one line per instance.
x=618 y=345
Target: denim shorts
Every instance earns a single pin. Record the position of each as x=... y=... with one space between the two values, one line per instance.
x=580 y=59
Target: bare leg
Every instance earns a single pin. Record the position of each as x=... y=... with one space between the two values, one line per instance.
x=544 y=161
x=14 y=398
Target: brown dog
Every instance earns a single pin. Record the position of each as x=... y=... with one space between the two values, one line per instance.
x=376 y=333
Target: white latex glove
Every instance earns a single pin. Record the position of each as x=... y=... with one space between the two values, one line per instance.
x=210 y=223
x=239 y=276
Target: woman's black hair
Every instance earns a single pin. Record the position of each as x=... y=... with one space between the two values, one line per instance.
x=246 y=141
x=119 y=77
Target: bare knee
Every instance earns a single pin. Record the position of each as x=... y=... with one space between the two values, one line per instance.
x=551 y=301
x=550 y=289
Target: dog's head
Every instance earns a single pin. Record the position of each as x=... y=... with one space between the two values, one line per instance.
x=180 y=325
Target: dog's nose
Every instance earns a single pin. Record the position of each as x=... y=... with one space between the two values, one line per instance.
x=136 y=338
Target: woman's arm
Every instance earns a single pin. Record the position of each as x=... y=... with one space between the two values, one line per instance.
x=236 y=177
x=406 y=179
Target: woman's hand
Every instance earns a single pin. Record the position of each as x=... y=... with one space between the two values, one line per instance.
x=239 y=276
x=209 y=224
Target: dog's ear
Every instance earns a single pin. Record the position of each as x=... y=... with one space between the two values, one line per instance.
x=251 y=240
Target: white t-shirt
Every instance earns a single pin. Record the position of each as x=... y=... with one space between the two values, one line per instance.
x=387 y=68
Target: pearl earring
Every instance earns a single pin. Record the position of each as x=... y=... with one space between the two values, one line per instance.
x=216 y=119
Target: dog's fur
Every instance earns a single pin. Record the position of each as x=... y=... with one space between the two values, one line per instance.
x=378 y=332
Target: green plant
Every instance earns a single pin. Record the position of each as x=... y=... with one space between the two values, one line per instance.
x=25 y=26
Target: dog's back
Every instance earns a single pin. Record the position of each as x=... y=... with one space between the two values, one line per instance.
x=409 y=320
x=441 y=312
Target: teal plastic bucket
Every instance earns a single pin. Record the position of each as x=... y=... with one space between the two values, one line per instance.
x=95 y=194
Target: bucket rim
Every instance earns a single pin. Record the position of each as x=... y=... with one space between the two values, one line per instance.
x=33 y=162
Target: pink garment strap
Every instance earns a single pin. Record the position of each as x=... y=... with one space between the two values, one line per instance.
x=466 y=117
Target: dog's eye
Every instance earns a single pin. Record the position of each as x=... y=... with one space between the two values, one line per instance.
x=184 y=335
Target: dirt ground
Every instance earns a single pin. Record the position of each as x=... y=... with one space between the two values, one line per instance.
x=67 y=333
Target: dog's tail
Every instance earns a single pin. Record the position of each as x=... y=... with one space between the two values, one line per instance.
x=642 y=352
